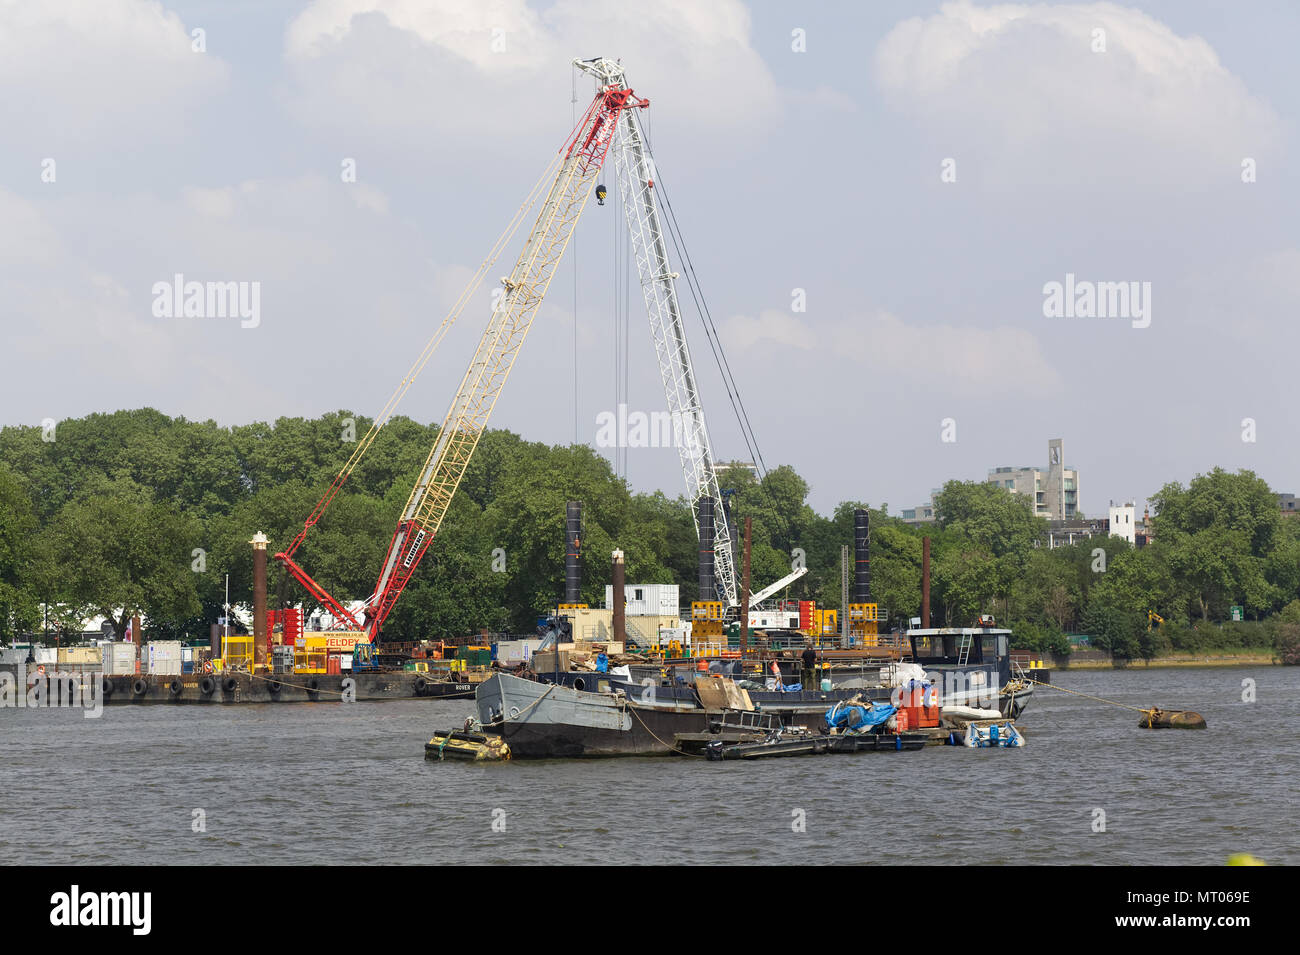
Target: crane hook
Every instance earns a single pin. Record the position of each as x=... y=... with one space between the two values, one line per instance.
x=601 y=193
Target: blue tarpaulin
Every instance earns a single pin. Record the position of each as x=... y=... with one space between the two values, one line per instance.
x=857 y=717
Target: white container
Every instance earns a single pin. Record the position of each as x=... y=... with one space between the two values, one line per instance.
x=345 y=662
x=119 y=658
x=164 y=657
x=515 y=652
x=645 y=600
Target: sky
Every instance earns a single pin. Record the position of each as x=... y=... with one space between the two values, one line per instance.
x=877 y=199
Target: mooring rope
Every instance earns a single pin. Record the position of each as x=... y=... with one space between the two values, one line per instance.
x=670 y=746
x=1087 y=697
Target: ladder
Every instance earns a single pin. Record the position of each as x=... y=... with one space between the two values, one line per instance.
x=963 y=650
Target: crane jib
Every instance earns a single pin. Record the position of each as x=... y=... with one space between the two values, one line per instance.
x=414 y=549
x=584 y=153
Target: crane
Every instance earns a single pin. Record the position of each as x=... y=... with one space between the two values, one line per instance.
x=523 y=290
x=635 y=173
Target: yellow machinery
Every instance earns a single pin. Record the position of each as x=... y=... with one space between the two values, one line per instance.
x=311 y=656
x=563 y=609
x=864 y=621
x=706 y=619
x=1154 y=620
x=237 y=651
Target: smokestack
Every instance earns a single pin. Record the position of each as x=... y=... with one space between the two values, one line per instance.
x=925 y=583
x=862 y=556
x=573 y=552
x=261 y=639
x=619 y=589
x=708 y=588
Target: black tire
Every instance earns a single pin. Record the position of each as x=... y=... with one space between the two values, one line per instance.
x=207 y=686
x=106 y=686
x=313 y=685
x=230 y=684
x=421 y=685
x=140 y=687
x=176 y=688
x=274 y=688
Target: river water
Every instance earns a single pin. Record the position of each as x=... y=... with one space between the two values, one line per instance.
x=347 y=783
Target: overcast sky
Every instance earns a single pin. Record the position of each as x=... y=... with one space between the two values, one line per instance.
x=804 y=147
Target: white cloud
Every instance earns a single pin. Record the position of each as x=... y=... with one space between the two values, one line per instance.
x=80 y=70
x=1022 y=84
x=951 y=356
x=417 y=69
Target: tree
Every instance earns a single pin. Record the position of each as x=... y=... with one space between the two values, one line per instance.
x=118 y=553
x=19 y=610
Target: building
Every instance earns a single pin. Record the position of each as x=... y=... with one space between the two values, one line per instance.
x=1054 y=490
x=1123 y=522
x=922 y=513
x=1286 y=503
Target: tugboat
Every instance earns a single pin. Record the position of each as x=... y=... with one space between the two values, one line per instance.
x=972 y=667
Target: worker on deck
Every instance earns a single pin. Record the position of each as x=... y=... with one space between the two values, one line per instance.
x=809 y=657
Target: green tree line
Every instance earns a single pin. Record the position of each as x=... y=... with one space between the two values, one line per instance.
x=137 y=512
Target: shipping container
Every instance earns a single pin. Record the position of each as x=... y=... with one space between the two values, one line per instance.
x=511 y=653
x=164 y=657
x=647 y=599
x=118 y=658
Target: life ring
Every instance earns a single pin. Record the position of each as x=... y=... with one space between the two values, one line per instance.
x=230 y=684
x=207 y=686
x=40 y=670
x=140 y=687
x=207 y=666
x=176 y=688
x=106 y=686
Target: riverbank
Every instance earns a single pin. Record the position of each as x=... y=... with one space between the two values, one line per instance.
x=1219 y=658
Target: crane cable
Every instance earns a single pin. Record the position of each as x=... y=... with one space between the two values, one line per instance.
x=710 y=329
x=422 y=359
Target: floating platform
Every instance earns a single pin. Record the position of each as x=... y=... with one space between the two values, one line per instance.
x=814 y=745
x=469 y=747
x=246 y=688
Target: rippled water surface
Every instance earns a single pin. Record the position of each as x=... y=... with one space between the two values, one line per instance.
x=336 y=783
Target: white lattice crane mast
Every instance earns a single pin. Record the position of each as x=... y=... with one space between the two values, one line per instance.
x=635 y=175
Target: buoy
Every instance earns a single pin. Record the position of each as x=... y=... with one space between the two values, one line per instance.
x=1245 y=858
x=1158 y=719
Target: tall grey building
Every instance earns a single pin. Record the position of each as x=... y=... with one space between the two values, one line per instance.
x=1054 y=489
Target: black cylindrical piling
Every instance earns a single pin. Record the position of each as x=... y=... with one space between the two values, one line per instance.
x=708 y=588
x=862 y=556
x=573 y=552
